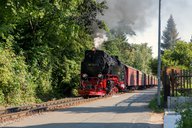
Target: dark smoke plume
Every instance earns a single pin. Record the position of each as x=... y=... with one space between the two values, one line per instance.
x=135 y=13
x=129 y=16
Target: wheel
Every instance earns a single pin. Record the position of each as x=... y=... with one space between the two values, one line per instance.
x=86 y=97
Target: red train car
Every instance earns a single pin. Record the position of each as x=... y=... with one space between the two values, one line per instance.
x=144 y=81
x=147 y=81
x=151 y=80
x=131 y=77
x=134 y=79
x=140 y=79
x=156 y=81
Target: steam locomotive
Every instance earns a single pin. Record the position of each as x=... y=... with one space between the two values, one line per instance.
x=103 y=74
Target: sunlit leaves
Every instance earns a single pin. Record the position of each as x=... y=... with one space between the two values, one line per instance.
x=47 y=40
x=15 y=82
x=180 y=55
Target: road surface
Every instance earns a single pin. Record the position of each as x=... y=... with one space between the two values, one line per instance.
x=128 y=110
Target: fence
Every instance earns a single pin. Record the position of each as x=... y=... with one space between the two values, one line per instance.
x=176 y=83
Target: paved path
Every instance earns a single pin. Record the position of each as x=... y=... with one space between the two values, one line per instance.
x=129 y=110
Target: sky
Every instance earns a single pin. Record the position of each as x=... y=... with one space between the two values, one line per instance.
x=142 y=16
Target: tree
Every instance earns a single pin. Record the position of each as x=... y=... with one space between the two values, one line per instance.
x=180 y=56
x=49 y=38
x=153 y=65
x=142 y=57
x=170 y=34
x=88 y=10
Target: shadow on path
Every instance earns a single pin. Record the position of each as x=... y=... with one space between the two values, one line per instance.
x=136 y=104
x=94 y=125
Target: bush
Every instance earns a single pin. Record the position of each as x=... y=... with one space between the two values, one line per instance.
x=16 y=86
x=2 y=97
x=186 y=116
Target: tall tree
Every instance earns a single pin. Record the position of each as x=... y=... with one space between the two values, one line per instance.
x=170 y=34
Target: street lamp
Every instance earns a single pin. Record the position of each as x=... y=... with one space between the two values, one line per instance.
x=159 y=55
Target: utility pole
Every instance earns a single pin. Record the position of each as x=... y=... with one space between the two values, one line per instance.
x=159 y=56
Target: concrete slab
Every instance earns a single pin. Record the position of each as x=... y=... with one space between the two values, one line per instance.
x=170 y=119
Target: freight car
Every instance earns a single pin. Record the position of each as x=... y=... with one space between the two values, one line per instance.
x=103 y=74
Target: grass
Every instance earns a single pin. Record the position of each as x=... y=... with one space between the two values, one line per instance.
x=154 y=106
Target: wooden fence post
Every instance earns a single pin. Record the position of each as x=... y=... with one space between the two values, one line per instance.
x=166 y=86
x=172 y=83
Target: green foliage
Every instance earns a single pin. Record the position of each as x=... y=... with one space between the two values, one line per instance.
x=42 y=43
x=186 y=116
x=153 y=65
x=88 y=18
x=16 y=85
x=2 y=97
x=180 y=56
x=142 y=57
x=75 y=92
x=170 y=35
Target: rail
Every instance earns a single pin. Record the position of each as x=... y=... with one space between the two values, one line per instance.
x=15 y=113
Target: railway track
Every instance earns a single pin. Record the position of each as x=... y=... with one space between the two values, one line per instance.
x=15 y=113
x=29 y=107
